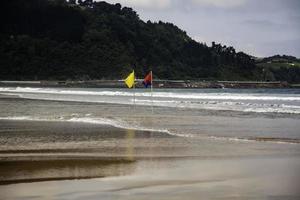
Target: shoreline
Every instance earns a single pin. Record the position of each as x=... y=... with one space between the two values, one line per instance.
x=124 y=164
x=176 y=84
x=140 y=133
x=84 y=150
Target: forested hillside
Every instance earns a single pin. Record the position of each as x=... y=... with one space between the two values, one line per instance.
x=280 y=68
x=60 y=40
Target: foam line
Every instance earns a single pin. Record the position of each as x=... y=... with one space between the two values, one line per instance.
x=124 y=125
x=185 y=95
x=241 y=102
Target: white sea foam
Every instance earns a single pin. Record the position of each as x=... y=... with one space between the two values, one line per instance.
x=242 y=102
x=249 y=140
x=118 y=123
x=233 y=139
x=185 y=95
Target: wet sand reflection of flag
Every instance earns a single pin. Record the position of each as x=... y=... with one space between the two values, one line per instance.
x=130 y=152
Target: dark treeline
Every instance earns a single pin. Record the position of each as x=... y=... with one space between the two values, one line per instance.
x=56 y=39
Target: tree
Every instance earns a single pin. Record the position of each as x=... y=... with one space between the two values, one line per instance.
x=49 y=39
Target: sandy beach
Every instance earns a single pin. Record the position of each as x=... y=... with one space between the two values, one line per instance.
x=111 y=163
x=53 y=149
x=150 y=100
x=252 y=178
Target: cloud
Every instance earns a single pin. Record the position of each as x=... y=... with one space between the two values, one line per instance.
x=262 y=23
x=144 y=4
x=220 y=3
x=287 y=47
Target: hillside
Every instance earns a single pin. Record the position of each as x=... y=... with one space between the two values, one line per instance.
x=280 y=68
x=59 y=40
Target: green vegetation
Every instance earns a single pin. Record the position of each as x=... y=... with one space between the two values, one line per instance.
x=60 y=40
x=280 y=68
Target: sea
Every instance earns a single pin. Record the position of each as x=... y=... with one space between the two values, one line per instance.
x=264 y=114
x=103 y=143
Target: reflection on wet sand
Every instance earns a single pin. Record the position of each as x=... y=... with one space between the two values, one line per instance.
x=130 y=144
x=45 y=170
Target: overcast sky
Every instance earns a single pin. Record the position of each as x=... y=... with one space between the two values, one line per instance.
x=258 y=27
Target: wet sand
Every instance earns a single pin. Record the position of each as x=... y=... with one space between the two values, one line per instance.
x=68 y=160
x=37 y=170
x=235 y=178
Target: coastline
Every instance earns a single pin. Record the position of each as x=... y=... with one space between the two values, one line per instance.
x=67 y=150
x=156 y=84
x=54 y=149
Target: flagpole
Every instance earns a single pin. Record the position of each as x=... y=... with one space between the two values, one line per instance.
x=151 y=91
x=134 y=93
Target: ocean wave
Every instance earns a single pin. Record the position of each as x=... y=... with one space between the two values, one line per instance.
x=204 y=105
x=257 y=139
x=119 y=123
x=158 y=94
x=240 y=102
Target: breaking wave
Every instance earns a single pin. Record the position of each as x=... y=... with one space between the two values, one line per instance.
x=118 y=123
x=287 y=103
x=159 y=94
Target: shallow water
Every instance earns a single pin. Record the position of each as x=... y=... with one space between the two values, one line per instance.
x=226 y=144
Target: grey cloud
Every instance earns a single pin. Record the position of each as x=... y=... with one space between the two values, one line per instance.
x=219 y=3
x=144 y=4
x=260 y=23
x=288 y=47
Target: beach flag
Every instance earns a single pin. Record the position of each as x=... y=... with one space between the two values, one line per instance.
x=148 y=79
x=130 y=80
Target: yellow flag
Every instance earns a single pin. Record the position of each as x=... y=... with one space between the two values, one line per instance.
x=130 y=80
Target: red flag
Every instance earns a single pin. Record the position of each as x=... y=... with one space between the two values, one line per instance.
x=148 y=79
